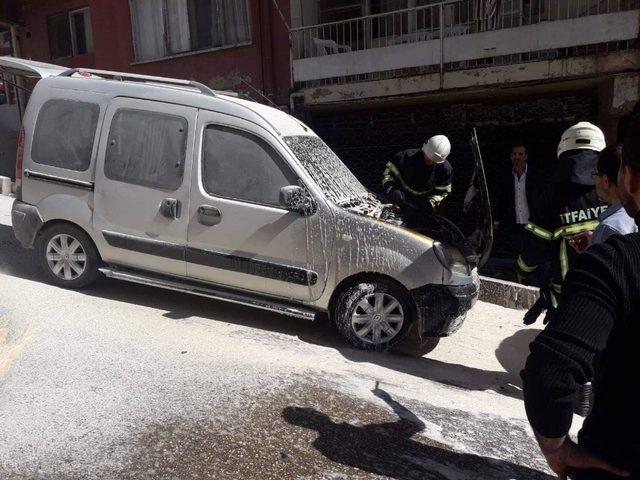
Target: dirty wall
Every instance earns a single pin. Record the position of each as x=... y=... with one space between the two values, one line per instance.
x=366 y=138
x=264 y=63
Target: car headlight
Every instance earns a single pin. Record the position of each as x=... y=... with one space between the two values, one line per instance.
x=443 y=256
x=452 y=263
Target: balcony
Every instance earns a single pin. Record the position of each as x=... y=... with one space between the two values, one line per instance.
x=458 y=35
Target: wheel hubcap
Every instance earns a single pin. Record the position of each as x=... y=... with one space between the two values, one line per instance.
x=66 y=257
x=377 y=318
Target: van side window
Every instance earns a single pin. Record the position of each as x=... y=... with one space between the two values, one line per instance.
x=146 y=148
x=64 y=134
x=242 y=166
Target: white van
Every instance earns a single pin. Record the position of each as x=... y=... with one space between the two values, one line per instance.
x=165 y=182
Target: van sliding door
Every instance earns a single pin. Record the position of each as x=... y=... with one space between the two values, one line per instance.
x=142 y=184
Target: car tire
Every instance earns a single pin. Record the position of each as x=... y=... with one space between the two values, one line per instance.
x=373 y=315
x=68 y=256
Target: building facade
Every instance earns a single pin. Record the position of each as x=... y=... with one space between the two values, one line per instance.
x=226 y=44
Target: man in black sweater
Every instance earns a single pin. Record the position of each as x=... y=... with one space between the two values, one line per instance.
x=597 y=323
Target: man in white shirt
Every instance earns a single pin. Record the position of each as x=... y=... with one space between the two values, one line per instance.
x=517 y=196
x=521 y=203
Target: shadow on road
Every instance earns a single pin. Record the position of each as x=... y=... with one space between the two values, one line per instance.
x=513 y=351
x=15 y=260
x=451 y=374
x=21 y=263
x=387 y=449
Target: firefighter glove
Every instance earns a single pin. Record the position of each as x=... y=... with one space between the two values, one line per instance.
x=397 y=196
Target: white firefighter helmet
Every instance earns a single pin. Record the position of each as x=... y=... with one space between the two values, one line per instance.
x=583 y=135
x=437 y=148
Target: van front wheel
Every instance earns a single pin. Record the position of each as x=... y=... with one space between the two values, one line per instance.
x=68 y=257
x=373 y=315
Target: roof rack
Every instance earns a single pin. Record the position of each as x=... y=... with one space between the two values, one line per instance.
x=120 y=76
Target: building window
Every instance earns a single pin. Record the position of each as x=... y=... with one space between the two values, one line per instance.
x=70 y=33
x=81 y=35
x=167 y=27
x=338 y=10
x=5 y=42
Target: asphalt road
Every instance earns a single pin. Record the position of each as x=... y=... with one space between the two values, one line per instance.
x=127 y=381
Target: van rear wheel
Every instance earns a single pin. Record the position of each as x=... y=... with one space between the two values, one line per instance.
x=374 y=315
x=68 y=256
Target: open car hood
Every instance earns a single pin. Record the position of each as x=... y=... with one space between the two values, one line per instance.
x=482 y=237
x=476 y=247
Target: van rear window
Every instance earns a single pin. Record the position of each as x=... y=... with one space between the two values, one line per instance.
x=64 y=134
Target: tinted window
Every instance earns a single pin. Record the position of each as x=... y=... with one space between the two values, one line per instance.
x=242 y=166
x=64 y=134
x=146 y=148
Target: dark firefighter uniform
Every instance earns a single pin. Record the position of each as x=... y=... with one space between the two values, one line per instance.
x=423 y=186
x=569 y=207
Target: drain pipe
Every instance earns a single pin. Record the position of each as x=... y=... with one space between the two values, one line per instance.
x=290 y=37
x=292 y=101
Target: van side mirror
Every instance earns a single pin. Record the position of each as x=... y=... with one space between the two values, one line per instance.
x=296 y=199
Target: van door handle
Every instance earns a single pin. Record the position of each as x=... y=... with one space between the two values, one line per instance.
x=170 y=208
x=208 y=215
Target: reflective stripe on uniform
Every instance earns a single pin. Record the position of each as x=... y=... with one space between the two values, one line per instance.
x=540 y=232
x=435 y=200
x=563 y=231
x=398 y=176
x=556 y=288
x=443 y=188
x=524 y=267
x=386 y=178
x=554 y=299
x=564 y=259
x=576 y=228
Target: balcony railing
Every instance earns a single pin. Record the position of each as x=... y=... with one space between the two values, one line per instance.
x=441 y=20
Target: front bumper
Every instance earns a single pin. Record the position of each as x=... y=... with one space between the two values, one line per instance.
x=442 y=309
x=26 y=222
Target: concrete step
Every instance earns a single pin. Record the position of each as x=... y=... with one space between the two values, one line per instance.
x=507 y=294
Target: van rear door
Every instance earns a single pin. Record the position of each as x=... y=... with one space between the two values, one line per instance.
x=29 y=68
x=21 y=74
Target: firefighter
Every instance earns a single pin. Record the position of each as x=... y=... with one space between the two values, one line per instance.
x=569 y=207
x=418 y=180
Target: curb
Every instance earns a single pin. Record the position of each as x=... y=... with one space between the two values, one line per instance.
x=507 y=294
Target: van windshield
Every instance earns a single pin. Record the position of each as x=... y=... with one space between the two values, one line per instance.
x=327 y=170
